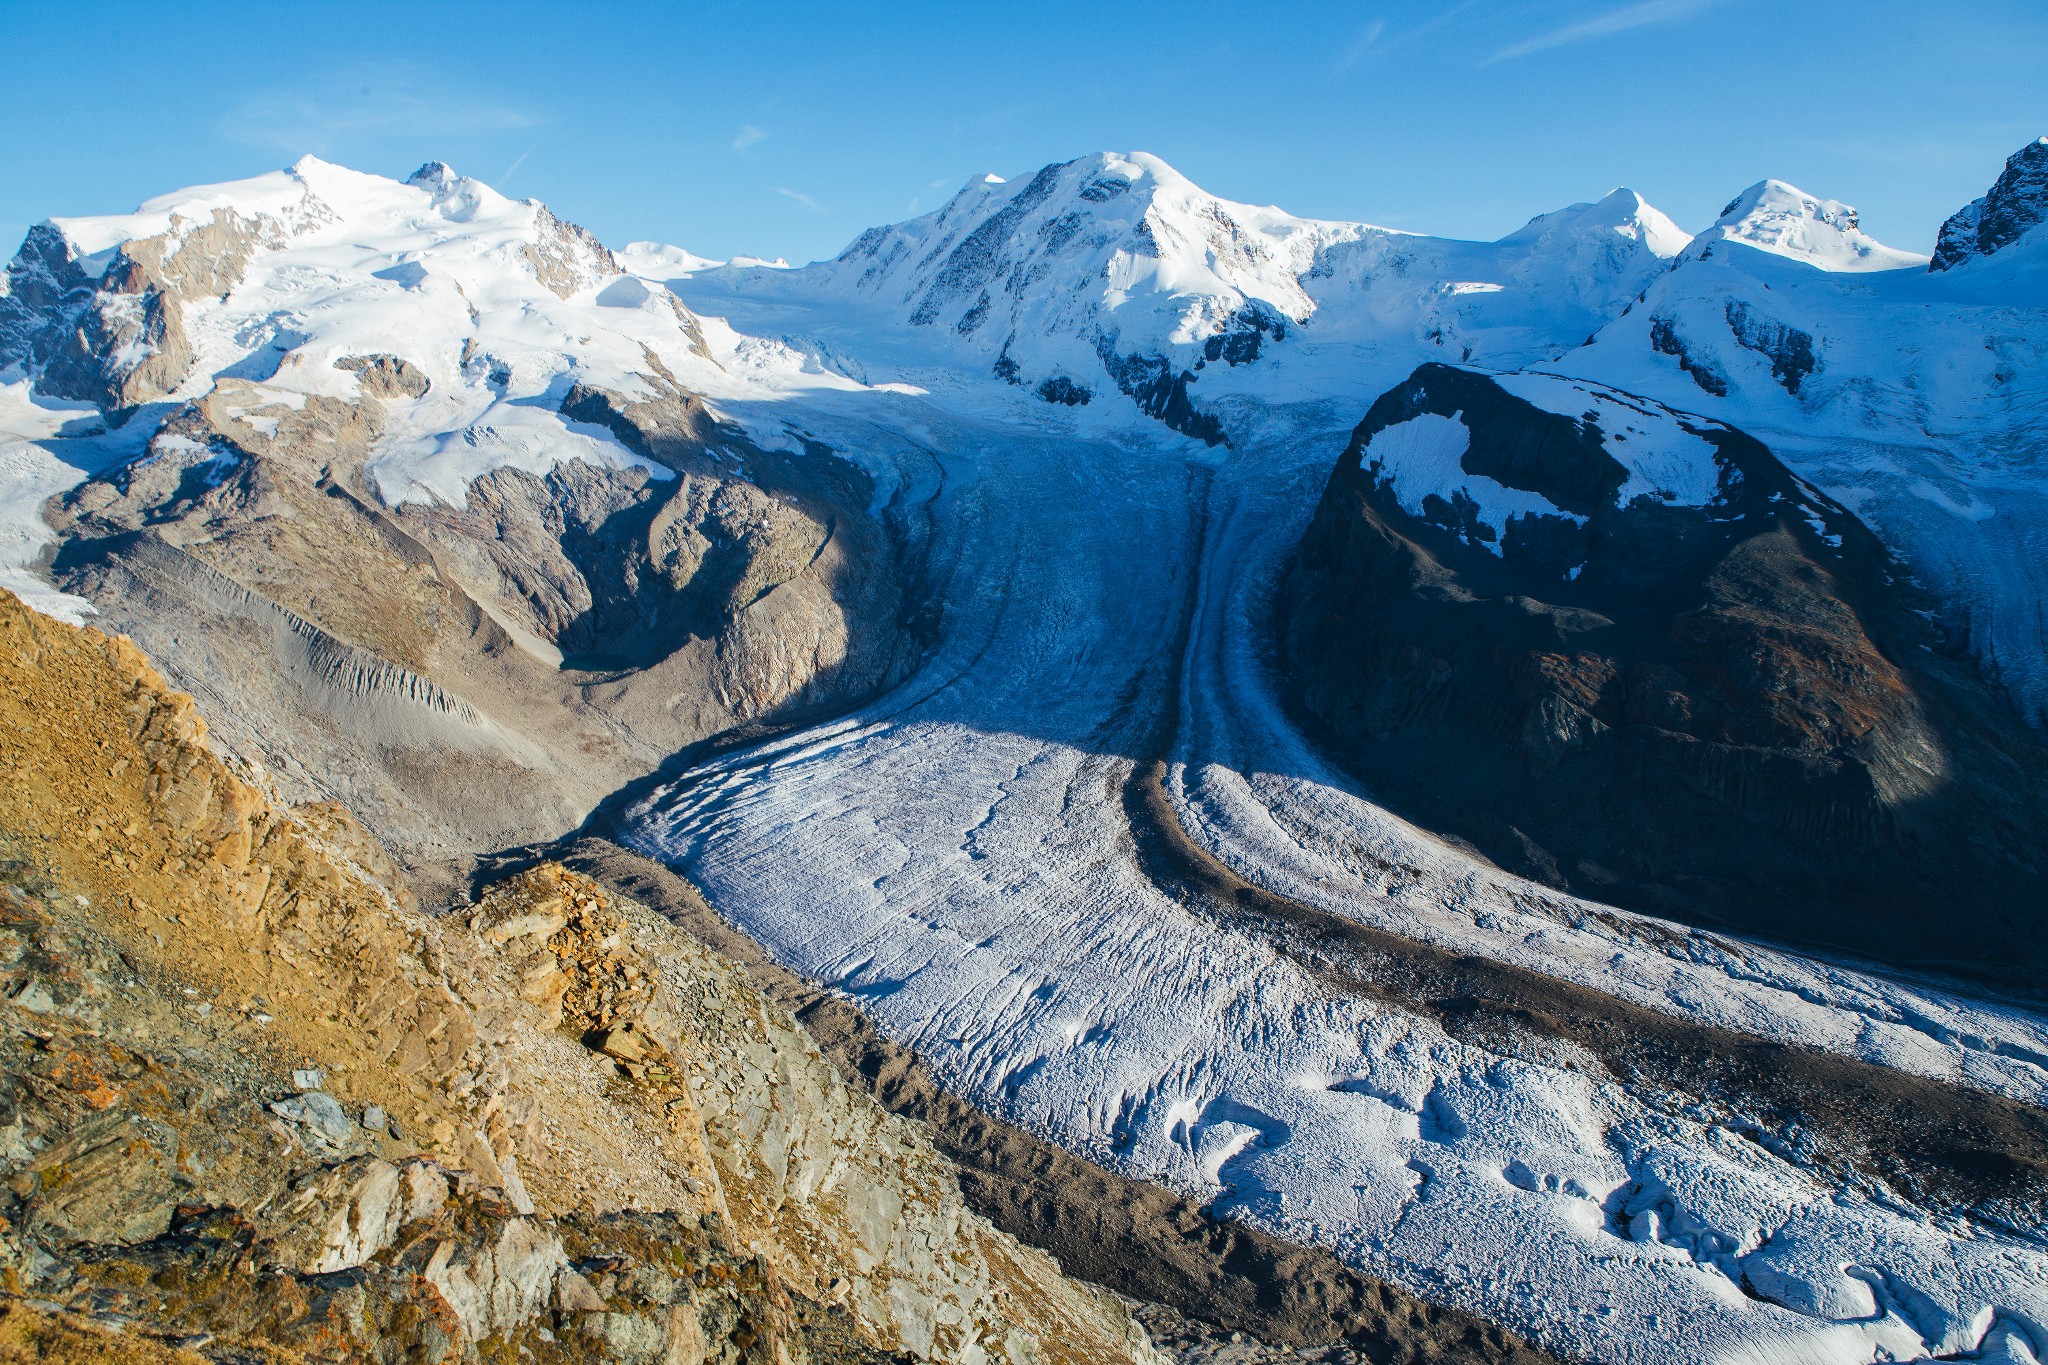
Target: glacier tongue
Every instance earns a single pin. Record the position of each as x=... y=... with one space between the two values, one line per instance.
x=955 y=857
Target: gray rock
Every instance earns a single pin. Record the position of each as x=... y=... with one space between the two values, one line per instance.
x=386 y=376
x=35 y=997
x=320 y=1114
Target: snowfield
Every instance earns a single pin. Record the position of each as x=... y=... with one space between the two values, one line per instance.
x=956 y=856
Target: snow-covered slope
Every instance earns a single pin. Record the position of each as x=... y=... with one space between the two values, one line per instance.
x=957 y=855
x=1786 y=221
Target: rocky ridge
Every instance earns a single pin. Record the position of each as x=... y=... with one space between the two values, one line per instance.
x=1718 y=700
x=255 y=1101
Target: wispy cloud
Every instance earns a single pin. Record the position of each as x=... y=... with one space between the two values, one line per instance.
x=352 y=104
x=800 y=198
x=1362 y=44
x=517 y=162
x=1645 y=14
x=747 y=137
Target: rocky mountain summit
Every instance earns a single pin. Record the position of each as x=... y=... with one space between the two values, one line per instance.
x=256 y=1102
x=2016 y=204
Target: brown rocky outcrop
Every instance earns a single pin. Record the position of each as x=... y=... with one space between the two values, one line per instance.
x=251 y=1101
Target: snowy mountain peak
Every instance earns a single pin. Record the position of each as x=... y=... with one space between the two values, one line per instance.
x=1004 y=257
x=1111 y=263
x=1123 y=224
x=1621 y=213
x=278 y=279
x=2016 y=204
x=1786 y=221
x=1115 y=272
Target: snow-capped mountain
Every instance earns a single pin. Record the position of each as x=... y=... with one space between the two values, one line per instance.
x=1784 y=220
x=1115 y=273
x=438 y=449
x=497 y=305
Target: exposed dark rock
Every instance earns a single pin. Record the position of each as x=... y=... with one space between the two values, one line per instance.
x=118 y=340
x=126 y=346
x=1005 y=368
x=1789 y=350
x=1664 y=339
x=2015 y=205
x=1160 y=391
x=973 y=317
x=1735 y=715
x=1238 y=342
x=1060 y=389
x=43 y=281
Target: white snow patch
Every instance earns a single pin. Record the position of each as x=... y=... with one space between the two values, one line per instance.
x=1421 y=458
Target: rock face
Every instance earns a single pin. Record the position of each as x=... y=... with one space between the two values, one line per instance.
x=250 y=1097
x=427 y=664
x=1629 y=654
x=2016 y=204
x=110 y=329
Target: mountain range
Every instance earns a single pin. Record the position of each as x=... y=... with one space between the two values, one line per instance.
x=1510 y=771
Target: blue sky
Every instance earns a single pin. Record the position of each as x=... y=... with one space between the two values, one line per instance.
x=785 y=129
